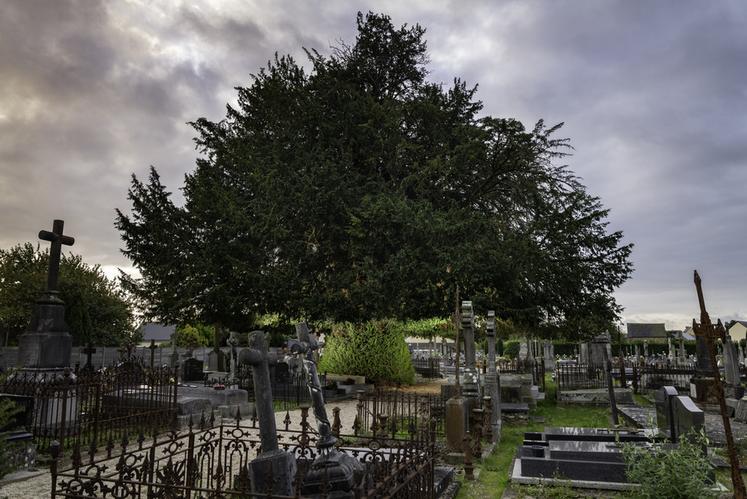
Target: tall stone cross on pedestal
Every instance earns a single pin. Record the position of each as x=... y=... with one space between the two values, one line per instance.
x=47 y=344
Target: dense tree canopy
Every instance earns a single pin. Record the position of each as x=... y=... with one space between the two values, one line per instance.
x=96 y=310
x=359 y=189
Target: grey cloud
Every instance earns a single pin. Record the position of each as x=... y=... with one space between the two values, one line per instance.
x=653 y=96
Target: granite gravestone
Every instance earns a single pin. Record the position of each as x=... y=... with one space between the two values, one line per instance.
x=732 y=387
x=273 y=471
x=687 y=416
x=192 y=370
x=47 y=343
x=600 y=349
x=548 y=351
x=664 y=397
x=703 y=384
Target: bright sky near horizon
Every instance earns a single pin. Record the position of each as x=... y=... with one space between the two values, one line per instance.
x=653 y=96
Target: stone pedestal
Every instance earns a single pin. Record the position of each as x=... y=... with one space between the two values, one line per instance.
x=456 y=424
x=273 y=472
x=493 y=390
x=46 y=344
x=703 y=389
x=600 y=349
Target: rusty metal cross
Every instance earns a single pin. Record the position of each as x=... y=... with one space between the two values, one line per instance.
x=57 y=239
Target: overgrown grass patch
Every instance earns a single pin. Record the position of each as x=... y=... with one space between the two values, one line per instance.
x=495 y=470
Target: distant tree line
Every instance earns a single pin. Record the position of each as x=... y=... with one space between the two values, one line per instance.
x=96 y=308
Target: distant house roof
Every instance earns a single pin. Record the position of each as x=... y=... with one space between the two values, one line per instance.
x=744 y=323
x=157 y=332
x=688 y=334
x=644 y=331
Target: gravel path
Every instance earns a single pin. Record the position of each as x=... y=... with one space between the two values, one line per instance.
x=40 y=486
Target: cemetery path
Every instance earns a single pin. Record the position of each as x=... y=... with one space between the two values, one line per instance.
x=40 y=486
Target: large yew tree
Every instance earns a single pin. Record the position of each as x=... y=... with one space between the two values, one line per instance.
x=359 y=189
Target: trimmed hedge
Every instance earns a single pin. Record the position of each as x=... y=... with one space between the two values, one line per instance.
x=375 y=349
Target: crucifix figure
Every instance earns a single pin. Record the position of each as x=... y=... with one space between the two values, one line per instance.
x=57 y=239
x=306 y=345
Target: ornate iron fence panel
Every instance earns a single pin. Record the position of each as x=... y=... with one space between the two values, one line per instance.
x=94 y=407
x=213 y=461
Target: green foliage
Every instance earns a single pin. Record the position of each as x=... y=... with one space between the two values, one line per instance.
x=359 y=190
x=96 y=309
x=680 y=472
x=188 y=336
x=428 y=328
x=375 y=349
x=511 y=349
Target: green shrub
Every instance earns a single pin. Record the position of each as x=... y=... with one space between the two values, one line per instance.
x=682 y=472
x=511 y=349
x=376 y=350
x=189 y=336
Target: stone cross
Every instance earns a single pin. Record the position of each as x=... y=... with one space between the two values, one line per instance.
x=152 y=347
x=490 y=333
x=89 y=350
x=232 y=342
x=58 y=240
x=468 y=333
x=273 y=470
x=306 y=345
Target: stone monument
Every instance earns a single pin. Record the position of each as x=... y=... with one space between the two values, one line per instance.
x=47 y=344
x=273 y=470
x=492 y=379
x=600 y=349
x=548 y=351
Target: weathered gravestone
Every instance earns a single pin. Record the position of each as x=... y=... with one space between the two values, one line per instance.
x=732 y=387
x=548 y=351
x=687 y=416
x=273 y=470
x=217 y=361
x=664 y=397
x=471 y=376
x=600 y=349
x=192 y=370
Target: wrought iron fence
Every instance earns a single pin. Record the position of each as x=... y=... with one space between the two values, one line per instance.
x=398 y=412
x=208 y=460
x=654 y=376
x=580 y=376
x=93 y=407
x=428 y=367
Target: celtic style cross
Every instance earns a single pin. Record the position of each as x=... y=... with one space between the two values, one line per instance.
x=57 y=239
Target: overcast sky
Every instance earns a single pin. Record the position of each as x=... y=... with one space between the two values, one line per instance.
x=653 y=95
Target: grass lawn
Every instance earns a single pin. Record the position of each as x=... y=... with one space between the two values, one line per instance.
x=495 y=470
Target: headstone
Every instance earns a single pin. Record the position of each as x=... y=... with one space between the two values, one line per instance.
x=217 y=361
x=741 y=353
x=549 y=355
x=664 y=397
x=233 y=342
x=523 y=349
x=47 y=344
x=645 y=349
x=600 y=349
x=687 y=416
x=670 y=353
x=192 y=370
x=273 y=471
x=731 y=370
x=492 y=379
x=682 y=353
x=741 y=411
x=583 y=353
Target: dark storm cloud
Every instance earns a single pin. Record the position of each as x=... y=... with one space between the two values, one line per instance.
x=653 y=96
